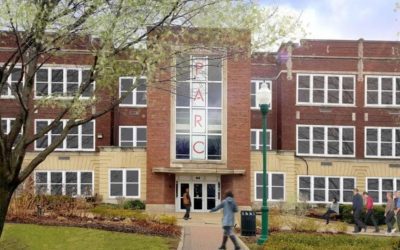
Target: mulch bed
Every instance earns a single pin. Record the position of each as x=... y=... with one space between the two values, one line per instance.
x=125 y=226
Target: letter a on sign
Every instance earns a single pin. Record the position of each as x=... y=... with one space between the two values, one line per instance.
x=198 y=95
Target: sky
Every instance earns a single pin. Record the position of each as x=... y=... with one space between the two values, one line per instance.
x=346 y=19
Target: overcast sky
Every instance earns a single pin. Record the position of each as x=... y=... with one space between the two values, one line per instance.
x=346 y=19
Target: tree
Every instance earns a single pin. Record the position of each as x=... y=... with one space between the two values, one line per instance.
x=124 y=37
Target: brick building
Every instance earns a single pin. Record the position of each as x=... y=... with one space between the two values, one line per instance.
x=332 y=126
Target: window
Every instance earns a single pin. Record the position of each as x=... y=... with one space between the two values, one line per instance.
x=322 y=189
x=257 y=141
x=132 y=136
x=62 y=82
x=255 y=86
x=79 y=138
x=198 y=108
x=275 y=186
x=378 y=187
x=125 y=183
x=71 y=183
x=325 y=89
x=382 y=142
x=325 y=140
x=6 y=126
x=382 y=91
x=10 y=85
x=136 y=97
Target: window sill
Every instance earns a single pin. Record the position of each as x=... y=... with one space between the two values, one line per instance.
x=324 y=105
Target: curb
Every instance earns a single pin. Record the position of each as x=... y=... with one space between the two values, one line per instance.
x=180 y=245
x=241 y=243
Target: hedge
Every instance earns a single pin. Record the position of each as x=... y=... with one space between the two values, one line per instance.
x=347 y=216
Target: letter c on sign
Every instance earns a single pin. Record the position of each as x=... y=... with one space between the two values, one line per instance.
x=194 y=147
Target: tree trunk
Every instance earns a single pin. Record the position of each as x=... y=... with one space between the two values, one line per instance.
x=5 y=198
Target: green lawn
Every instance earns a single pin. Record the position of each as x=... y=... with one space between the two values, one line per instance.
x=23 y=236
x=304 y=241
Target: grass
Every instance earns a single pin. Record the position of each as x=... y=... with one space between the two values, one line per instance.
x=110 y=212
x=310 y=241
x=25 y=236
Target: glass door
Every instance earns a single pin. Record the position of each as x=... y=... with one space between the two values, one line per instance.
x=211 y=195
x=182 y=190
x=198 y=196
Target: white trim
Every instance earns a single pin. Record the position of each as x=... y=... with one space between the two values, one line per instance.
x=269 y=186
x=326 y=188
x=64 y=146
x=64 y=93
x=258 y=143
x=393 y=142
x=380 y=198
x=134 y=133
x=8 y=85
x=63 y=182
x=325 y=140
x=258 y=83
x=124 y=183
x=325 y=89
x=379 y=91
x=134 y=92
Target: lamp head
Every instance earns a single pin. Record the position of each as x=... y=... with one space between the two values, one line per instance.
x=264 y=95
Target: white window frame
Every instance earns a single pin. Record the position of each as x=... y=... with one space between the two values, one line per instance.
x=395 y=187
x=269 y=187
x=135 y=140
x=311 y=127
x=379 y=104
x=134 y=92
x=326 y=188
x=8 y=124
x=379 y=129
x=326 y=103
x=64 y=143
x=63 y=182
x=258 y=83
x=9 y=83
x=258 y=143
x=65 y=92
x=124 y=182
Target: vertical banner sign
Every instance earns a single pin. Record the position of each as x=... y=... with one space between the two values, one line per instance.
x=199 y=121
x=199 y=95
x=199 y=69
x=198 y=147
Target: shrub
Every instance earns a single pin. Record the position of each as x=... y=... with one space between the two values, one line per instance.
x=276 y=222
x=167 y=219
x=347 y=216
x=302 y=225
x=134 y=204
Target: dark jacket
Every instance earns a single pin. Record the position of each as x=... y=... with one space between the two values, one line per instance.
x=357 y=202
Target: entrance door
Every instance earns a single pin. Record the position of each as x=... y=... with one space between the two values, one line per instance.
x=204 y=195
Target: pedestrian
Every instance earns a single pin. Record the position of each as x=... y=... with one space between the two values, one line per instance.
x=369 y=206
x=228 y=220
x=357 y=210
x=187 y=203
x=389 y=213
x=332 y=209
x=397 y=208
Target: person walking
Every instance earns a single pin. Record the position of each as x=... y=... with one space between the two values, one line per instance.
x=332 y=209
x=187 y=203
x=397 y=208
x=228 y=220
x=357 y=210
x=389 y=213
x=369 y=206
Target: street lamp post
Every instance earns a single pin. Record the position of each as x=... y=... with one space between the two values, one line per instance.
x=264 y=101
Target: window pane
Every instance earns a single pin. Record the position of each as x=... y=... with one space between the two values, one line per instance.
x=348 y=148
x=348 y=196
x=387 y=184
x=304 y=95
x=183 y=68
x=141 y=134
x=141 y=84
x=116 y=176
x=116 y=190
x=183 y=94
x=86 y=177
x=319 y=182
x=318 y=147
x=56 y=189
x=86 y=189
x=318 y=133
x=304 y=81
x=333 y=82
x=334 y=183
x=318 y=96
x=132 y=176
x=87 y=142
x=182 y=146
x=348 y=134
x=348 y=97
x=304 y=133
x=319 y=195
x=71 y=177
x=141 y=98
x=372 y=134
x=319 y=82
x=214 y=69
x=387 y=98
x=333 y=148
x=126 y=134
x=304 y=147
x=304 y=195
x=348 y=183
x=333 y=96
x=259 y=179
x=214 y=94
x=373 y=184
x=387 y=84
x=214 y=147
x=277 y=193
x=277 y=180
x=42 y=75
x=334 y=194
x=348 y=83
x=372 y=97
x=41 y=177
x=183 y=120
x=71 y=189
x=304 y=182
x=214 y=121
x=372 y=83
x=87 y=128
x=56 y=177
x=132 y=189
x=128 y=100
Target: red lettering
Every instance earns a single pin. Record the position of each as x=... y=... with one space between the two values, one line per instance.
x=197 y=120
x=198 y=66
x=194 y=147
x=198 y=95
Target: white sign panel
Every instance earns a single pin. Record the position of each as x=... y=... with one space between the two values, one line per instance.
x=198 y=121
x=198 y=95
x=198 y=147
x=199 y=69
